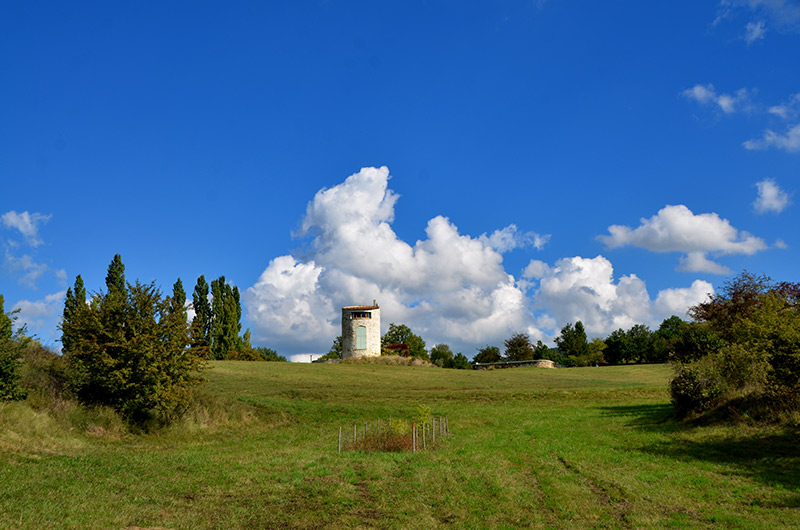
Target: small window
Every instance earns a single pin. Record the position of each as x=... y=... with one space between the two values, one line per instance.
x=361 y=338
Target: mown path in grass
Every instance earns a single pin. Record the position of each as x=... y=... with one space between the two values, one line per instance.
x=530 y=448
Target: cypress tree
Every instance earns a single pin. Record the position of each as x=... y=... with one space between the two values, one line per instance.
x=226 y=312
x=178 y=300
x=115 y=277
x=74 y=303
x=201 y=324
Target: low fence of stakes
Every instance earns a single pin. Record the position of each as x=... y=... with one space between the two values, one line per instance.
x=423 y=435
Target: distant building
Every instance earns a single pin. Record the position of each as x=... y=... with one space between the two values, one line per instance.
x=361 y=331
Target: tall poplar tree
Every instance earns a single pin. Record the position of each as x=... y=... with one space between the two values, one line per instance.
x=201 y=324
x=74 y=302
x=226 y=312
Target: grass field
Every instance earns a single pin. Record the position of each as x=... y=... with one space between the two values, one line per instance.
x=530 y=448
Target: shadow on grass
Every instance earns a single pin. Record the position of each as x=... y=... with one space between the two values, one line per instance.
x=770 y=455
x=652 y=418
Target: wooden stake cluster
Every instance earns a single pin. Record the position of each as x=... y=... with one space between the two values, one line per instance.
x=438 y=425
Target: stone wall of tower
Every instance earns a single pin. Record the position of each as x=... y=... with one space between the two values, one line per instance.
x=352 y=318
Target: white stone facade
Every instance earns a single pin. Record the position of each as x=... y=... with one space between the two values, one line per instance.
x=361 y=331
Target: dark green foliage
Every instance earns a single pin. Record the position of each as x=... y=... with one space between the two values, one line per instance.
x=519 y=348
x=641 y=345
x=696 y=340
x=441 y=355
x=115 y=277
x=459 y=362
x=6 y=322
x=226 y=314
x=745 y=348
x=270 y=355
x=737 y=300
x=201 y=324
x=696 y=387
x=572 y=342
x=129 y=351
x=402 y=334
x=541 y=350
x=178 y=299
x=11 y=347
x=75 y=302
x=488 y=354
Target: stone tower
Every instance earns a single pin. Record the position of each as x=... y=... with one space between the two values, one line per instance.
x=361 y=331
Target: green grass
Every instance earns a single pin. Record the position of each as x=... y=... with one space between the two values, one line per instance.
x=530 y=448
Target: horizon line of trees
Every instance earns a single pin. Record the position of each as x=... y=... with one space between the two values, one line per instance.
x=635 y=345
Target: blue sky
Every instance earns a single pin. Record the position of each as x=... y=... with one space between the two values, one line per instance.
x=546 y=161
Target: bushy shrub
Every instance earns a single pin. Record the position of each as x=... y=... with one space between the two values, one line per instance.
x=128 y=350
x=11 y=347
x=744 y=351
x=697 y=386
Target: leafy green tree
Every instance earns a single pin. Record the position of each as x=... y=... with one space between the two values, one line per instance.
x=11 y=347
x=74 y=302
x=488 y=354
x=736 y=300
x=459 y=362
x=596 y=349
x=127 y=352
x=696 y=340
x=572 y=342
x=441 y=354
x=541 y=350
x=519 y=348
x=177 y=316
x=6 y=322
x=226 y=314
x=402 y=334
x=201 y=324
x=268 y=354
x=640 y=341
x=744 y=345
x=617 y=348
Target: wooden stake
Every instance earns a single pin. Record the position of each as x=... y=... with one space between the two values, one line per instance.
x=424 y=445
x=413 y=437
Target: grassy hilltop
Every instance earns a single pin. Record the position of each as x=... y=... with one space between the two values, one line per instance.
x=568 y=448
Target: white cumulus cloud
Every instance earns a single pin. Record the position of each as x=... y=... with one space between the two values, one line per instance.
x=677 y=229
x=771 y=198
x=26 y=223
x=677 y=301
x=585 y=289
x=448 y=287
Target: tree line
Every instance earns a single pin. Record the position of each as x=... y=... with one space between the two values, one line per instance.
x=636 y=345
x=131 y=348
